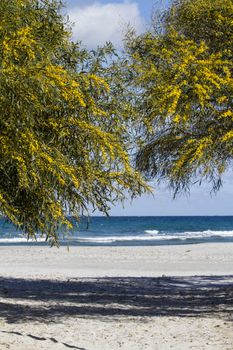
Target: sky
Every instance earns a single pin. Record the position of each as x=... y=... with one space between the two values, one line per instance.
x=95 y=22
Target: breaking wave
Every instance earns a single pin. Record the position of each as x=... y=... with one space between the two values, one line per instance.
x=155 y=235
x=146 y=236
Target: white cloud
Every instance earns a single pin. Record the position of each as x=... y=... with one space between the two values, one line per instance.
x=97 y=23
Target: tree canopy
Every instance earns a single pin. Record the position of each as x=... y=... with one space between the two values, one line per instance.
x=64 y=126
x=182 y=70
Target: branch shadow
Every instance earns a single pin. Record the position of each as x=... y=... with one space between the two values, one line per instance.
x=53 y=340
x=27 y=300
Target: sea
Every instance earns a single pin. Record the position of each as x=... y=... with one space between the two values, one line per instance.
x=132 y=231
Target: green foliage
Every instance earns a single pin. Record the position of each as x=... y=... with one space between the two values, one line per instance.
x=182 y=70
x=64 y=139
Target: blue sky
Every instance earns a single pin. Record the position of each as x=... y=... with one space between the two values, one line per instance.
x=145 y=6
x=98 y=21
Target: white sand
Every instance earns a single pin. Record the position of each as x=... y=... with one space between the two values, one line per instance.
x=92 y=298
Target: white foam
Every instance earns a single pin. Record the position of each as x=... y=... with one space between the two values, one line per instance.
x=204 y=234
x=219 y=233
x=111 y=239
x=21 y=240
x=152 y=232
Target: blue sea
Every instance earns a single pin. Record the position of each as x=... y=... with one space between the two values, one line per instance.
x=134 y=231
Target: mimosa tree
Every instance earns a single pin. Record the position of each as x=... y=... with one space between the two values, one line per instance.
x=64 y=138
x=182 y=70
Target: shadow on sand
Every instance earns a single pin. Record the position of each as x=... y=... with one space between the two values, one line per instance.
x=23 y=300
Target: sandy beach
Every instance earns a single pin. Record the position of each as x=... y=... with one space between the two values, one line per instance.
x=92 y=298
